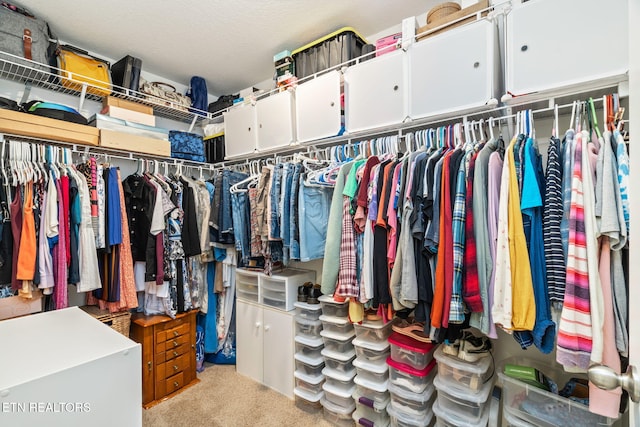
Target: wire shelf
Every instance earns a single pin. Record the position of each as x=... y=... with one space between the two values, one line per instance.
x=48 y=77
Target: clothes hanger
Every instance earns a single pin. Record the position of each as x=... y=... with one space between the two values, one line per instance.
x=491 y=128
x=592 y=108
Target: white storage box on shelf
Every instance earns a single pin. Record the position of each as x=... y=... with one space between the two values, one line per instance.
x=372 y=351
x=337 y=343
x=375 y=372
x=308 y=402
x=467 y=405
x=471 y=50
x=448 y=419
x=308 y=311
x=306 y=327
x=338 y=379
x=281 y=290
x=340 y=326
x=312 y=369
x=532 y=404
x=247 y=285
x=410 y=403
x=340 y=395
x=310 y=383
x=411 y=352
x=415 y=380
x=373 y=331
x=240 y=131
x=339 y=362
x=332 y=308
x=308 y=348
x=318 y=109
x=529 y=47
x=376 y=392
x=338 y=415
x=369 y=417
x=457 y=373
x=400 y=419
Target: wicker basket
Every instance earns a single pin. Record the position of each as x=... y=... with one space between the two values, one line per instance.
x=119 y=321
x=440 y=11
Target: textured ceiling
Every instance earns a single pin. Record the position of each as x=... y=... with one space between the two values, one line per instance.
x=230 y=43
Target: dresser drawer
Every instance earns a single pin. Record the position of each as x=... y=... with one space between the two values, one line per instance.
x=172 y=367
x=172 y=354
x=175 y=332
x=172 y=343
x=174 y=383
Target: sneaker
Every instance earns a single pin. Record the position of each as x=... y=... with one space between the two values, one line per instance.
x=451 y=349
x=303 y=291
x=473 y=348
x=314 y=294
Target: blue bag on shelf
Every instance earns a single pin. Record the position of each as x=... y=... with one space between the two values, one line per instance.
x=187 y=146
x=198 y=94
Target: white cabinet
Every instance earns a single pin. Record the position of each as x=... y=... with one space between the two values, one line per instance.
x=465 y=80
x=318 y=109
x=275 y=121
x=375 y=92
x=240 y=131
x=556 y=43
x=265 y=346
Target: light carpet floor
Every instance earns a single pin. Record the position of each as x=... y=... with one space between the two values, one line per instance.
x=223 y=398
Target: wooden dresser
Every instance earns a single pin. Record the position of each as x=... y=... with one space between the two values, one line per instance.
x=168 y=354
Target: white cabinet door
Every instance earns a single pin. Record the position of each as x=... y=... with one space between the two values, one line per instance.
x=240 y=131
x=275 y=121
x=465 y=80
x=374 y=92
x=318 y=107
x=556 y=43
x=278 y=351
x=249 y=343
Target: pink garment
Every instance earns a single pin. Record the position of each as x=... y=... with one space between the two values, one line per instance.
x=493 y=202
x=392 y=218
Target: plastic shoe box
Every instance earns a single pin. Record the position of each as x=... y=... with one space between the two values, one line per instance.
x=463 y=375
x=338 y=415
x=373 y=330
x=337 y=325
x=360 y=419
x=375 y=392
x=401 y=419
x=310 y=369
x=340 y=395
x=511 y=420
x=449 y=419
x=375 y=372
x=412 y=404
x=333 y=308
x=409 y=378
x=308 y=311
x=411 y=352
x=308 y=402
x=372 y=351
x=367 y=416
x=467 y=405
x=306 y=327
x=308 y=383
x=339 y=380
x=333 y=358
x=336 y=343
x=309 y=347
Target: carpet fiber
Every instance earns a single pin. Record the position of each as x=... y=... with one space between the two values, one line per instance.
x=224 y=398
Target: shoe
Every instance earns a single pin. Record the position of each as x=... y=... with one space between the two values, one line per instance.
x=473 y=348
x=314 y=294
x=303 y=291
x=451 y=349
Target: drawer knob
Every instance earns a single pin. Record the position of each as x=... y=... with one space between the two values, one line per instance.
x=175 y=367
x=395 y=87
x=333 y=103
x=175 y=333
x=149 y=366
x=524 y=48
x=266 y=328
x=175 y=384
x=476 y=64
x=175 y=343
x=175 y=354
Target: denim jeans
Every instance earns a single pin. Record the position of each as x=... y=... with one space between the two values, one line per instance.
x=285 y=213
x=314 y=205
x=226 y=220
x=294 y=230
x=274 y=217
x=241 y=223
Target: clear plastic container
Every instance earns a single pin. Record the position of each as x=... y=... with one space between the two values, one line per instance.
x=308 y=383
x=379 y=405
x=339 y=380
x=409 y=378
x=306 y=327
x=463 y=375
x=449 y=419
x=345 y=356
x=309 y=360
x=340 y=365
x=339 y=395
x=333 y=308
x=467 y=405
x=371 y=371
x=372 y=351
x=413 y=404
x=339 y=326
x=308 y=402
x=360 y=419
x=374 y=391
x=309 y=348
x=367 y=416
x=411 y=352
x=308 y=311
x=400 y=419
x=511 y=420
x=336 y=344
x=373 y=330
x=309 y=369
x=338 y=415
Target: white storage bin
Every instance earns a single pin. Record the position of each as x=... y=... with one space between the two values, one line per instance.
x=413 y=404
x=374 y=391
x=308 y=402
x=338 y=326
x=373 y=351
x=411 y=352
x=373 y=331
x=400 y=419
x=410 y=378
x=448 y=419
x=340 y=365
x=309 y=347
x=467 y=405
x=463 y=375
x=337 y=343
x=338 y=415
x=308 y=311
x=340 y=395
x=367 y=416
x=309 y=369
x=247 y=285
x=333 y=308
x=374 y=372
x=339 y=380
x=309 y=383
x=306 y=327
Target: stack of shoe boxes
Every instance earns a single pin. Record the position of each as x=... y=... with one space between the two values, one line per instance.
x=464 y=382
x=411 y=373
x=308 y=357
x=372 y=377
x=337 y=334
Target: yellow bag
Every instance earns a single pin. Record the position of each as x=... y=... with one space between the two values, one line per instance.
x=77 y=67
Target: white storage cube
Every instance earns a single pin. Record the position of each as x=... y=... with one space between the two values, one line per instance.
x=372 y=351
x=318 y=109
x=240 y=131
x=449 y=419
x=274 y=116
x=308 y=311
x=463 y=375
x=410 y=378
x=281 y=290
x=247 y=285
x=410 y=403
x=467 y=405
x=373 y=331
x=411 y=352
x=337 y=326
x=400 y=419
x=338 y=415
x=374 y=372
x=333 y=308
x=309 y=328
x=340 y=394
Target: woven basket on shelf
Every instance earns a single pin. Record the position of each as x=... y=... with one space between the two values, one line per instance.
x=440 y=11
x=119 y=321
